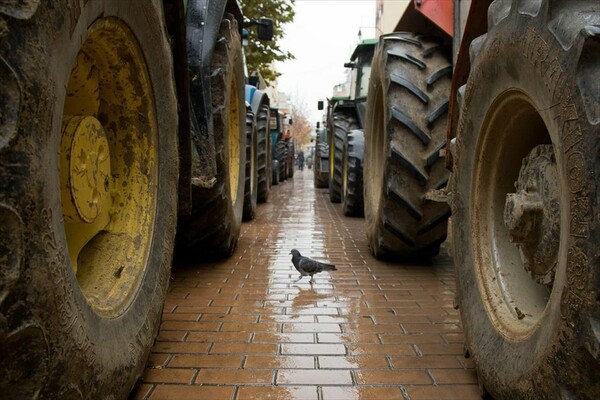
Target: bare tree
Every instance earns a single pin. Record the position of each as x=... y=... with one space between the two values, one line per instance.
x=301 y=127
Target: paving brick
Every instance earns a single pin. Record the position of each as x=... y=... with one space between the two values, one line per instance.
x=278 y=393
x=376 y=377
x=284 y=337
x=243 y=348
x=446 y=392
x=361 y=392
x=313 y=377
x=347 y=338
x=234 y=376
x=441 y=376
x=241 y=328
x=207 y=337
x=168 y=375
x=276 y=362
x=385 y=349
x=305 y=348
x=180 y=347
x=404 y=362
x=192 y=392
x=444 y=348
x=352 y=362
x=205 y=361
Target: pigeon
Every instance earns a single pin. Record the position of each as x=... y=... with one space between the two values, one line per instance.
x=307 y=266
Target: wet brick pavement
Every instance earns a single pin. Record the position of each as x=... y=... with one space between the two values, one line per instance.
x=243 y=329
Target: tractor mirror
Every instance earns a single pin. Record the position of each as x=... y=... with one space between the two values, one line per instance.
x=320 y=105
x=265 y=29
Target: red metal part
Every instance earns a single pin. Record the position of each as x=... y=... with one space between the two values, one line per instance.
x=476 y=26
x=440 y=12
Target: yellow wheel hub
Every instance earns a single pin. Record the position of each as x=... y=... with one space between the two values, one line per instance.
x=108 y=169
x=88 y=166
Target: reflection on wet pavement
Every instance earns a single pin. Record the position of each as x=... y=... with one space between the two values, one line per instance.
x=243 y=329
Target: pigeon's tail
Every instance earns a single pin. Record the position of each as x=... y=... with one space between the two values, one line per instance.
x=329 y=267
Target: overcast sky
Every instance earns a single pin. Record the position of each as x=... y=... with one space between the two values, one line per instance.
x=322 y=38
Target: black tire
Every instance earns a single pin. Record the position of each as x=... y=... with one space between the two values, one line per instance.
x=264 y=152
x=352 y=174
x=275 y=172
x=405 y=131
x=291 y=153
x=321 y=163
x=213 y=228
x=530 y=114
x=251 y=183
x=281 y=154
x=341 y=123
x=63 y=336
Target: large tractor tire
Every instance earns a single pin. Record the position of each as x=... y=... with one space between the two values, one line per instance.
x=525 y=222
x=341 y=123
x=352 y=174
x=251 y=183
x=405 y=131
x=321 y=162
x=264 y=152
x=88 y=183
x=213 y=228
x=291 y=158
x=281 y=154
x=275 y=173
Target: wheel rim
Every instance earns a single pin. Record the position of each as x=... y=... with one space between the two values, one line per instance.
x=506 y=225
x=108 y=171
x=234 y=139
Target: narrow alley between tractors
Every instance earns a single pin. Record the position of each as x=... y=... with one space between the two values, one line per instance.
x=243 y=328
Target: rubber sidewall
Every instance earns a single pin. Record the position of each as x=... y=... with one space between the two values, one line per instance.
x=548 y=363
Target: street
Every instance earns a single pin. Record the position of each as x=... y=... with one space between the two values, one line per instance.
x=243 y=328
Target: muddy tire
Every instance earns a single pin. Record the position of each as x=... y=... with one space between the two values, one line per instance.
x=352 y=174
x=406 y=129
x=88 y=195
x=525 y=184
x=341 y=124
x=275 y=172
x=281 y=154
x=291 y=154
x=251 y=183
x=213 y=228
x=264 y=152
x=321 y=163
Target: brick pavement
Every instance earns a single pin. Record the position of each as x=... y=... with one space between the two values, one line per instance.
x=243 y=329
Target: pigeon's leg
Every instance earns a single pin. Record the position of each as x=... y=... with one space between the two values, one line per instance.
x=298 y=280
x=311 y=279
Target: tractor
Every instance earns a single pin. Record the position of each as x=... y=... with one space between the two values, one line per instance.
x=506 y=95
x=345 y=119
x=321 y=155
x=282 y=147
x=122 y=138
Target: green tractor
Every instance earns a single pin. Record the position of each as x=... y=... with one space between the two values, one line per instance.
x=345 y=119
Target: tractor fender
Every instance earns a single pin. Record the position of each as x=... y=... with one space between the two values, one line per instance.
x=258 y=98
x=203 y=19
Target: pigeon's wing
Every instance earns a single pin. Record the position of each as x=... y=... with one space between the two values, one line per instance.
x=309 y=266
